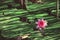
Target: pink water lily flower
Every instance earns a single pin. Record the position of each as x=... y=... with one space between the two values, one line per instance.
x=41 y=23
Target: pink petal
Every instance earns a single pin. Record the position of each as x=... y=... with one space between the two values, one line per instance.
x=37 y=26
x=36 y=22
x=38 y=19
